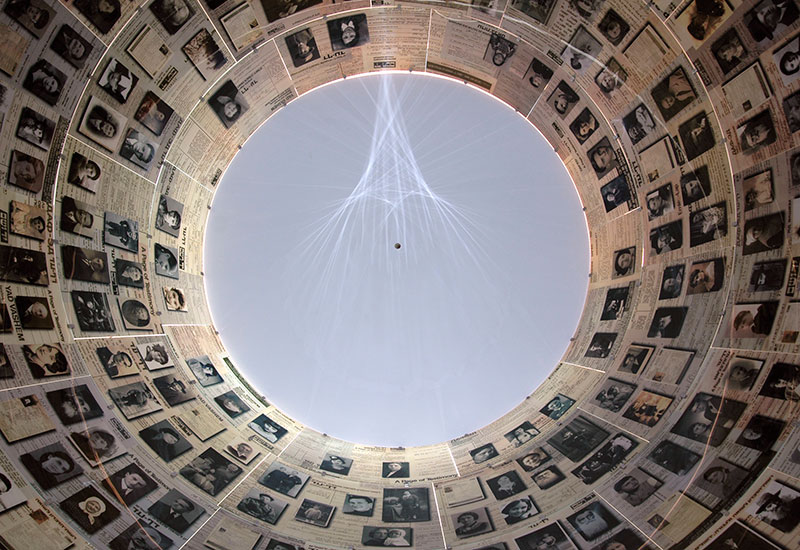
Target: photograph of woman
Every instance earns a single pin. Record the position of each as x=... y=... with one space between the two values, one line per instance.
x=45 y=81
x=228 y=103
x=348 y=32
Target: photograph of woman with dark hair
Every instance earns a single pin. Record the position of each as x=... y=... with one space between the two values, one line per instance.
x=228 y=103
x=84 y=173
x=71 y=46
x=166 y=261
x=46 y=360
x=348 y=32
x=95 y=444
x=51 y=465
x=33 y=15
x=135 y=314
x=45 y=81
x=101 y=13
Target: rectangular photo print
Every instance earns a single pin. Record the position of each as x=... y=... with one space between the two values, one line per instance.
x=130 y=274
x=173 y=389
x=210 y=471
x=405 y=505
x=262 y=506
x=28 y=220
x=155 y=356
x=50 y=465
x=578 y=438
x=165 y=440
x=283 y=479
x=134 y=400
x=121 y=232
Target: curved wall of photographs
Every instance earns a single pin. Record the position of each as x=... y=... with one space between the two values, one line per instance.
x=670 y=421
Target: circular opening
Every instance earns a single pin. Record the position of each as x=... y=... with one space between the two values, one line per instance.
x=396 y=260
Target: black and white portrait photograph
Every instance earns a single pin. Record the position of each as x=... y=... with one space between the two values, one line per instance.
x=708 y=224
x=45 y=360
x=613 y=27
x=101 y=13
x=129 y=273
x=35 y=128
x=742 y=373
x=228 y=103
x=706 y=276
x=614 y=305
x=518 y=510
x=231 y=404
x=550 y=537
x=697 y=21
x=348 y=32
x=20 y=265
x=695 y=185
x=673 y=94
x=336 y=464
x=720 y=478
x=138 y=148
x=538 y=10
x=302 y=47
x=709 y=419
x=34 y=312
x=45 y=81
x=210 y=471
x=667 y=237
x=787 y=59
x=605 y=459
x=639 y=123
x=278 y=9
x=165 y=440
x=667 y=322
x=761 y=432
x=166 y=260
x=206 y=55
x=168 y=215
x=777 y=505
x=358 y=505
x=578 y=438
x=153 y=113
x=613 y=394
x=637 y=486
x=387 y=536
x=315 y=513
x=172 y=14
x=584 y=125
x=85 y=264
x=769 y=19
x=672 y=282
x=141 y=536
x=483 y=453
x=283 y=479
x=121 y=232
x=135 y=315
x=615 y=193
x=697 y=136
x=97 y=444
x=173 y=389
x=535 y=458
x=757 y=190
x=548 y=477
x=499 y=49
x=522 y=434
x=472 y=523
x=267 y=428
x=674 y=458
x=756 y=132
x=611 y=77
x=33 y=15
x=89 y=509
x=262 y=506
x=395 y=470
x=791 y=111
x=753 y=320
x=51 y=465
x=737 y=535
x=593 y=521
x=626 y=539
x=28 y=220
x=102 y=124
x=241 y=450
x=84 y=173
x=563 y=99
x=118 y=80
x=130 y=484
x=176 y=511
x=581 y=51
x=26 y=172
x=506 y=485
x=601 y=344
x=71 y=46
x=155 y=356
x=405 y=505
x=74 y=404
x=624 y=262
x=648 y=407
x=557 y=406
x=538 y=74
x=602 y=157
x=764 y=233
x=134 y=400
x=174 y=298
x=783 y=382
x=204 y=370
x=728 y=51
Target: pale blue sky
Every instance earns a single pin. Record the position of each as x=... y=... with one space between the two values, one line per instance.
x=383 y=346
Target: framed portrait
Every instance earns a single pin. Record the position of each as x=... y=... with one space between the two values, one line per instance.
x=614 y=305
x=613 y=394
x=210 y=472
x=102 y=18
x=118 y=80
x=695 y=185
x=696 y=135
x=378 y=536
x=581 y=51
x=472 y=523
x=483 y=453
x=673 y=94
x=155 y=356
x=168 y=215
x=721 y=478
x=267 y=428
x=174 y=299
x=153 y=113
x=96 y=444
x=85 y=264
x=601 y=344
x=624 y=262
x=45 y=81
x=231 y=404
x=102 y=124
x=138 y=148
x=74 y=403
x=522 y=434
x=26 y=172
x=358 y=505
x=548 y=477
x=172 y=14
x=593 y=521
x=551 y=536
x=46 y=360
x=637 y=486
x=173 y=389
x=533 y=459
x=121 y=232
x=613 y=27
x=563 y=99
x=34 y=312
x=302 y=47
x=667 y=322
x=557 y=406
x=348 y=32
x=36 y=129
x=205 y=54
x=602 y=158
x=315 y=513
x=84 y=173
x=139 y=535
x=672 y=282
x=71 y=46
x=395 y=470
x=166 y=260
x=506 y=485
x=135 y=315
x=648 y=407
x=283 y=479
x=584 y=125
x=50 y=465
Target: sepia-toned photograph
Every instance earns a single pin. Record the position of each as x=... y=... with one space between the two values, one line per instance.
x=499 y=49
x=603 y=158
x=615 y=193
x=138 y=148
x=103 y=14
x=206 y=55
x=563 y=99
x=204 y=370
x=153 y=113
x=26 y=172
x=706 y=276
x=102 y=124
x=50 y=465
x=28 y=220
x=742 y=373
x=728 y=51
x=648 y=407
x=129 y=273
x=697 y=136
x=71 y=46
x=667 y=237
x=761 y=433
x=174 y=299
x=172 y=14
x=639 y=123
x=121 y=232
x=336 y=464
x=584 y=126
x=228 y=103
x=659 y=201
x=769 y=20
x=581 y=51
x=614 y=306
x=777 y=505
x=538 y=74
x=611 y=78
x=36 y=129
x=85 y=264
x=673 y=94
x=548 y=477
x=672 y=282
x=737 y=535
x=165 y=440
x=601 y=344
x=32 y=15
x=756 y=132
x=613 y=27
x=348 y=32
x=751 y=321
x=241 y=450
x=483 y=453
x=155 y=356
x=302 y=47
x=695 y=185
x=135 y=315
x=538 y=10
x=46 y=360
x=624 y=262
x=721 y=478
x=395 y=470
x=168 y=215
x=757 y=190
x=96 y=445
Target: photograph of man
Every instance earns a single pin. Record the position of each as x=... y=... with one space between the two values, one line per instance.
x=671 y=456
x=522 y=434
x=130 y=484
x=593 y=521
x=506 y=485
x=709 y=419
x=357 y=505
x=395 y=470
x=778 y=505
x=636 y=487
x=283 y=479
x=173 y=389
x=176 y=511
x=405 y=505
x=262 y=506
x=165 y=440
x=483 y=453
x=74 y=404
x=134 y=400
x=140 y=537
x=210 y=471
x=667 y=322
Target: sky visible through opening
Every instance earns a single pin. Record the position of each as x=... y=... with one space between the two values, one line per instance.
x=390 y=346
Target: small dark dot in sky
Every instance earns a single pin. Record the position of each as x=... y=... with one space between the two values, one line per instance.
x=397 y=245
